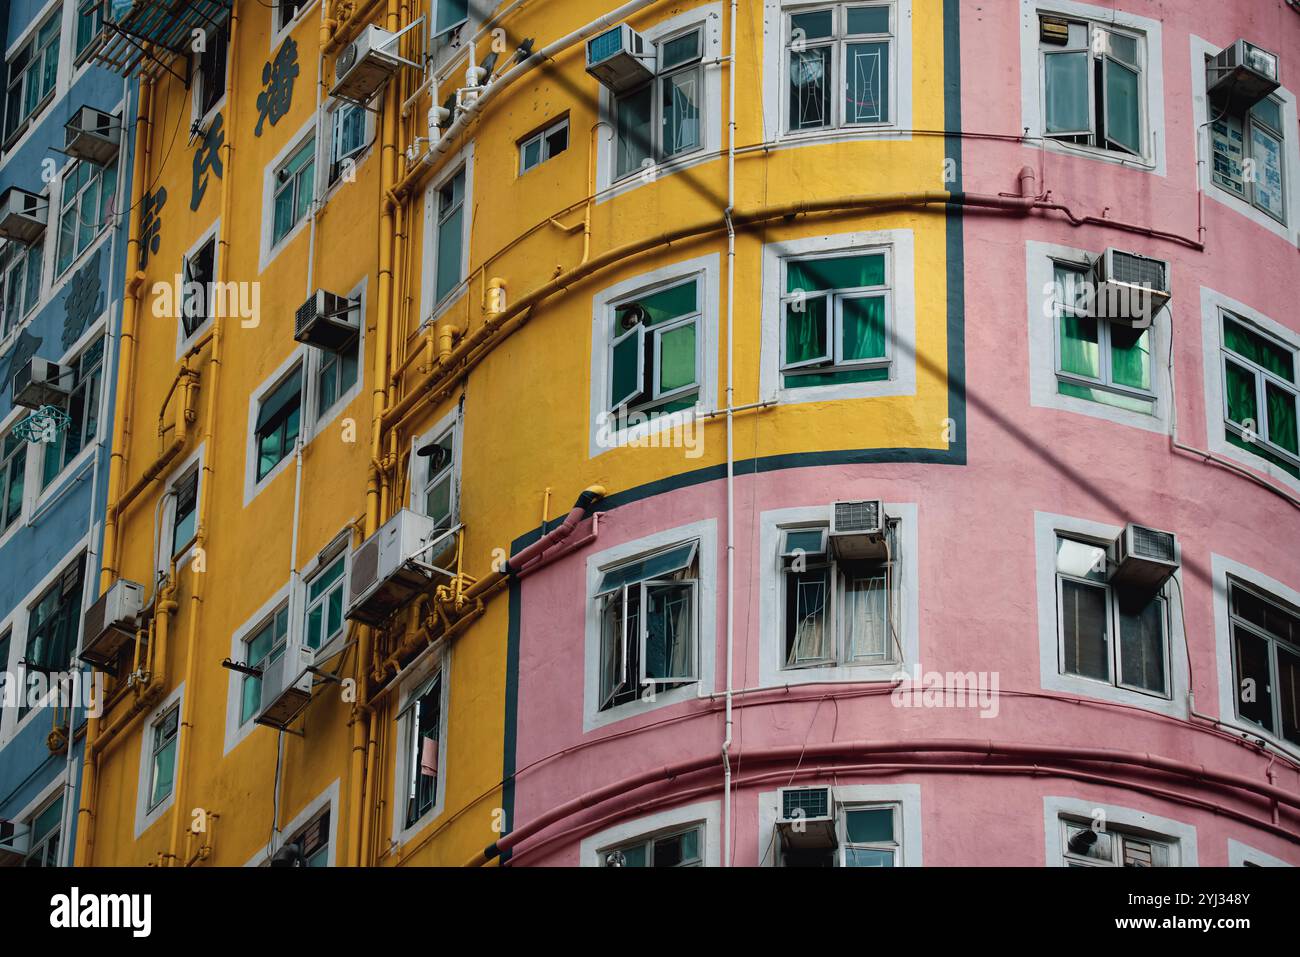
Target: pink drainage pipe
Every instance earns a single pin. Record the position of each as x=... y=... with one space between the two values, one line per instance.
x=589 y=497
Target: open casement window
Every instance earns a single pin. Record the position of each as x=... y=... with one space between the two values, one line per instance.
x=649 y=624
x=439 y=496
x=325 y=595
x=198 y=272
x=1260 y=394
x=87 y=196
x=83 y=413
x=423 y=722
x=839 y=63
x=1249 y=154
x=295 y=184
x=870 y=835
x=32 y=73
x=266 y=645
x=449 y=240
x=313 y=842
x=835 y=320
x=662 y=119
x=20 y=283
x=837 y=612
x=655 y=350
x=1092 y=612
x=46 y=827
x=678 y=848
x=1096 y=359
x=210 y=70
x=348 y=137
x=55 y=621
x=336 y=375
x=543 y=145
x=286 y=11
x=1087 y=846
x=89 y=25
x=1266 y=661
x=13 y=471
x=279 y=421
x=448 y=15
x=186 y=494
x=1092 y=76
x=162 y=766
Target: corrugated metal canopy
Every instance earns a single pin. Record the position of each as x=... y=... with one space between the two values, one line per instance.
x=141 y=37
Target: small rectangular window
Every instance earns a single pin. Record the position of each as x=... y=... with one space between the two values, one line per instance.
x=20 y=282
x=286 y=11
x=1086 y=845
x=325 y=597
x=348 y=139
x=1257 y=142
x=90 y=24
x=54 y=621
x=83 y=413
x=46 y=827
x=1092 y=76
x=543 y=145
x=336 y=376
x=87 y=196
x=13 y=471
x=423 y=731
x=655 y=349
x=449 y=14
x=312 y=842
x=279 y=421
x=162 y=768
x=32 y=73
x=682 y=847
x=1261 y=394
x=839 y=67
x=210 y=67
x=267 y=644
x=1266 y=660
x=198 y=275
x=186 y=493
x=295 y=184
x=438 y=498
x=450 y=239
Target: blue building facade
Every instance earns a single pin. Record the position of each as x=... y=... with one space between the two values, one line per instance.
x=60 y=300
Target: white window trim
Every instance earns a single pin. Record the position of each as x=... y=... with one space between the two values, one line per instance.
x=329 y=798
x=1181 y=837
x=709 y=17
x=541 y=134
x=1212 y=303
x=278 y=34
x=1153 y=86
x=1240 y=854
x=906 y=796
x=708 y=268
x=1043 y=334
x=145 y=818
x=339 y=546
x=191 y=465
x=315 y=424
x=1047 y=528
x=325 y=150
x=1291 y=152
x=706 y=532
x=1220 y=568
x=252 y=485
x=411 y=685
x=430 y=309
x=63 y=77
x=269 y=248
x=42 y=798
x=707 y=814
x=235 y=732
x=420 y=464
x=901 y=325
x=775 y=13
x=211 y=234
x=771 y=601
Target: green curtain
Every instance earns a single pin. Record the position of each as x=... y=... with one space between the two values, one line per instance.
x=1281 y=417
x=844 y=272
x=1240 y=386
x=1130 y=356
x=668 y=304
x=1080 y=351
x=1251 y=345
x=863 y=333
x=805 y=332
x=677 y=358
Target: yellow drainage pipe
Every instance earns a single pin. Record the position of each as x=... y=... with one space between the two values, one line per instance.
x=344 y=29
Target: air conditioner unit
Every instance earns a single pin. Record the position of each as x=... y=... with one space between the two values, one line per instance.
x=858 y=529
x=390 y=567
x=41 y=382
x=620 y=58
x=1241 y=76
x=1145 y=558
x=365 y=65
x=807 y=818
x=110 y=623
x=22 y=215
x=286 y=689
x=327 y=321
x=15 y=840
x=92 y=135
x=1128 y=288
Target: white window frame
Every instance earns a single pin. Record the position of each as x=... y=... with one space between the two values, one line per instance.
x=906 y=798
x=542 y=138
x=654 y=86
x=335 y=552
x=191 y=466
x=55 y=223
x=51 y=11
x=107 y=374
x=20 y=266
x=1263 y=378
x=26 y=816
x=1180 y=837
x=201 y=119
x=834 y=360
x=281 y=28
x=270 y=247
x=210 y=235
x=838 y=43
x=145 y=816
x=252 y=484
x=1104 y=331
x=431 y=308
x=452 y=423
x=705 y=532
x=411 y=688
x=328 y=152
x=237 y=730
x=706 y=815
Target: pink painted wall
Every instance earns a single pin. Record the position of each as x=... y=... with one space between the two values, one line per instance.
x=979 y=604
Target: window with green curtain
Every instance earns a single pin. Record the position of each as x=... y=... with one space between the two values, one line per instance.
x=1258 y=377
x=834 y=332
x=1099 y=360
x=655 y=364
x=862 y=334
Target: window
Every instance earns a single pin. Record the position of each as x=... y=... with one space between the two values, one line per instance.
x=265 y=646
x=162 y=767
x=1266 y=660
x=32 y=73
x=348 y=138
x=838 y=67
x=423 y=730
x=20 y=277
x=439 y=496
x=279 y=423
x=1092 y=612
x=661 y=119
x=198 y=274
x=55 y=621
x=286 y=11
x=449 y=242
x=83 y=413
x=1260 y=394
x=678 y=848
x=1092 y=77
x=83 y=211
x=90 y=24
x=649 y=624
x=294 y=187
x=655 y=344
x=835 y=320
x=337 y=373
x=1258 y=137
x=541 y=146
x=1088 y=846
x=869 y=836
x=186 y=494
x=6 y=639
x=13 y=471
x=313 y=842
x=325 y=605
x=837 y=611
x=46 y=827
x=211 y=72
x=449 y=14
x=1097 y=359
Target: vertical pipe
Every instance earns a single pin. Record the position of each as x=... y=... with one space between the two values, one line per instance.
x=731 y=450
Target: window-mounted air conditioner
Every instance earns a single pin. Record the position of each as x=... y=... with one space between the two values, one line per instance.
x=1241 y=76
x=858 y=529
x=1145 y=558
x=1129 y=288
x=365 y=65
x=620 y=58
x=286 y=689
x=41 y=382
x=390 y=567
x=327 y=321
x=15 y=840
x=92 y=135
x=807 y=819
x=110 y=623
x=22 y=215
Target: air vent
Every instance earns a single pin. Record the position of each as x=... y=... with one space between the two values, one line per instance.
x=286 y=690
x=858 y=529
x=1145 y=558
x=807 y=818
x=390 y=568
